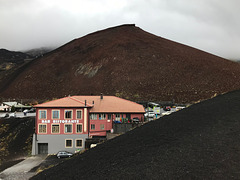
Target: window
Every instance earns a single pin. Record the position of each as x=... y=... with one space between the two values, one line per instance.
x=55 y=114
x=92 y=126
x=109 y=116
x=42 y=128
x=79 y=114
x=79 y=128
x=42 y=114
x=55 y=128
x=68 y=128
x=79 y=143
x=93 y=116
x=102 y=116
x=68 y=143
x=118 y=117
x=68 y=114
x=102 y=126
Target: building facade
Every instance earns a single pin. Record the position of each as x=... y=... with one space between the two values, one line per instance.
x=64 y=124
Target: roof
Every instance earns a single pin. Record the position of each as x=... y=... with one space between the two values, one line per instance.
x=109 y=104
x=64 y=102
x=13 y=103
x=16 y=104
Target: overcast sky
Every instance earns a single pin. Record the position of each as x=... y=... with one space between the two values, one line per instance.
x=209 y=25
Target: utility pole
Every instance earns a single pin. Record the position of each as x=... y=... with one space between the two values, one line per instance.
x=148 y=110
x=21 y=106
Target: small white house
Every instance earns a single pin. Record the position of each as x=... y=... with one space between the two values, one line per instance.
x=7 y=106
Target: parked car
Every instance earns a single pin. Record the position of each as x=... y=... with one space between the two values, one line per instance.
x=64 y=154
x=166 y=113
x=149 y=114
x=32 y=110
x=8 y=115
x=167 y=108
x=135 y=120
x=117 y=122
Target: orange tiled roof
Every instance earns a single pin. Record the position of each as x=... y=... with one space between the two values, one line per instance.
x=107 y=104
x=64 y=102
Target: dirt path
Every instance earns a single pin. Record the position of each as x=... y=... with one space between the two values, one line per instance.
x=21 y=170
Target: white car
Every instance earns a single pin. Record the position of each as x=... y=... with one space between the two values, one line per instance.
x=29 y=110
x=149 y=114
x=166 y=113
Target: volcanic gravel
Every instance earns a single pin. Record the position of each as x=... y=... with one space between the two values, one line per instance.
x=199 y=142
x=125 y=61
x=15 y=140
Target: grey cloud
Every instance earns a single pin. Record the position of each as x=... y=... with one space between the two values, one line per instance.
x=209 y=25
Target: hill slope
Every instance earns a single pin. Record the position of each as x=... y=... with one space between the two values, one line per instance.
x=37 y=52
x=15 y=139
x=10 y=62
x=199 y=142
x=128 y=62
x=13 y=57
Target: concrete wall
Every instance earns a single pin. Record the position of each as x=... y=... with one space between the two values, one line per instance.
x=57 y=142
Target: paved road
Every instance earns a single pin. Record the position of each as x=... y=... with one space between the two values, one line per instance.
x=21 y=170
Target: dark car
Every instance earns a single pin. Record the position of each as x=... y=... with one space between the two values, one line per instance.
x=64 y=154
x=167 y=108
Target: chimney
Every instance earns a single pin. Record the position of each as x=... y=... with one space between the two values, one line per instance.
x=85 y=103
x=101 y=96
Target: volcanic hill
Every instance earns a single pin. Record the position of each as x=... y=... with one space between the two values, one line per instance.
x=37 y=52
x=199 y=142
x=13 y=56
x=10 y=62
x=128 y=62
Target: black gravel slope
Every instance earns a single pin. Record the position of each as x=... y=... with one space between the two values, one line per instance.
x=200 y=142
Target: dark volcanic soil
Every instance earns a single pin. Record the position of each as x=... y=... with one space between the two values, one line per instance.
x=200 y=142
x=15 y=140
x=128 y=62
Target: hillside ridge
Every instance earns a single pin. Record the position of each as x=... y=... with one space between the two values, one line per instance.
x=127 y=62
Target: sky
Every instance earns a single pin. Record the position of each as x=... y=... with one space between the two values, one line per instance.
x=210 y=25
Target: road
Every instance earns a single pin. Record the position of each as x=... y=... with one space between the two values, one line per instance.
x=21 y=170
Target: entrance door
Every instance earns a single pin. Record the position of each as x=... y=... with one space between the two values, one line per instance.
x=42 y=148
x=128 y=116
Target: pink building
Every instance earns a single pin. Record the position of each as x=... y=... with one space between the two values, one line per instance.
x=65 y=123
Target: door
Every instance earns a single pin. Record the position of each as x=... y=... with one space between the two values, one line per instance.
x=42 y=148
x=128 y=116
